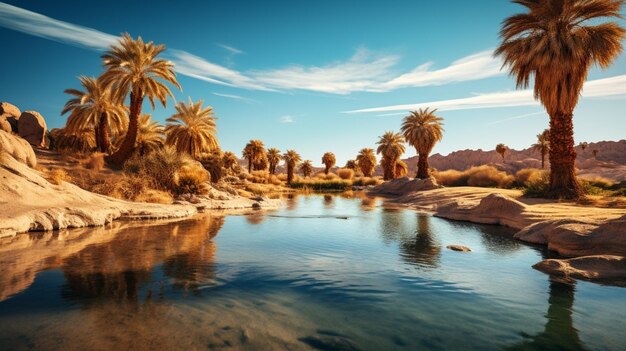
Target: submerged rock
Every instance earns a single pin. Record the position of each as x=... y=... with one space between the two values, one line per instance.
x=460 y=248
x=599 y=267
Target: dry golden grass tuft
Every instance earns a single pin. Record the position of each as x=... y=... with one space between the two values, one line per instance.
x=345 y=173
x=57 y=176
x=480 y=176
x=94 y=162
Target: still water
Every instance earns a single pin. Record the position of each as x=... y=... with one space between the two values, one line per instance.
x=326 y=272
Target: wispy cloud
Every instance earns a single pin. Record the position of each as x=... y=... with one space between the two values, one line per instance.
x=613 y=86
x=526 y=115
x=232 y=50
x=235 y=97
x=287 y=119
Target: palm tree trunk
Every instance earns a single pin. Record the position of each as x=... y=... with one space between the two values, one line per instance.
x=250 y=165
x=326 y=169
x=543 y=159
x=563 y=182
x=392 y=171
x=387 y=170
x=289 y=173
x=102 y=137
x=128 y=145
x=422 y=166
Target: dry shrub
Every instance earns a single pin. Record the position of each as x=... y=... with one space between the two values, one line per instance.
x=128 y=187
x=192 y=180
x=366 y=181
x=528 y=175
x=329 y=176
x=94 y=162
x=155 y=196
x=598 y=182
x=480 y=176
x=345 y=173
x=321 y=185
x=282 y=177
x=274 y=180
x=57 y=176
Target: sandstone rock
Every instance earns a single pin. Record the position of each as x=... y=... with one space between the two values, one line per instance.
x=460 y=248
x=18 y=148
x=599 y=267
x=9 y=110
x=32 y=127
x=5 y=125
x=493 y=209
x=403 y=186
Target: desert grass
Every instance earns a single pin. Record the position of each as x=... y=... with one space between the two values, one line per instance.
x=480 y=176
x=345 y=173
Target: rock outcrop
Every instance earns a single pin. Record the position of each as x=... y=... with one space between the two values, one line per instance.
x=403 y=186
x=18 y=148
x=493 y=209
x=32 y=126
x=9 y=114
x=598 y=268
x=5 y=125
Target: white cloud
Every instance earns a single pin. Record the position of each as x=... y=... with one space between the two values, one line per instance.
x=287 y=119
x=235 y=97
x=32 y=23
x=516 y=117
x=613 y=86
x=232 y=50
x=477 y=66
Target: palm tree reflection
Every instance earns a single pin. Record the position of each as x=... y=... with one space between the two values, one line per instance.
x=559 y=332
x=417 y=245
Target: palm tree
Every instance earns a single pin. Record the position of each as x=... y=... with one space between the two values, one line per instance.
x=583 y=145
x=191 y=129
x=229 y=160
x=329 y=161
x=391 y=147
x=351 y=164
x=401 y=169
x=253 y=153
x=366 y=160
x=422 y=129
x=149 y=135
x=94 y=108
x=595 y=153
x=542 y=145
x=291 y=160
x=556 y=42
x=306 y=168
x=502 y=149
x=273 y=157
x=82 y=140
x=132 y=67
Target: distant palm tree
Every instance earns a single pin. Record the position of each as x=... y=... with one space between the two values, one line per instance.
x=262 y=163
x=292 y=159
x=351 y=164
x=366 y=160
x=401 y=169
x=595 y=153
x=502 y=149
x=306 y=168
x=542 y=145
x=191 y=129
x=150 y=135
x=556 y=42
x=229 y=160
x=422 y=129
x=132 y=67
x=253 y=152
x=273 y=157
x=329 y=161
x=94 y=108
x=391 y=147
x=584 y=145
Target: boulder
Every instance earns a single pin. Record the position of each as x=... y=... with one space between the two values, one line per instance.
x=403 y=186
x=11 y=114
x=18 y=148
x=5 y=125
x=493 y=209
x=598 y=267
x=459 y=248
x=32 y=127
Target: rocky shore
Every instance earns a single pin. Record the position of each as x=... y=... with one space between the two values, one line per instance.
x=594 y=237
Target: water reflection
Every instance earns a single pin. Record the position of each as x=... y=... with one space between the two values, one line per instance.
x=328 y=201
x=494 y=238
x=559 y=332
x=255 y=217
x=417 y=246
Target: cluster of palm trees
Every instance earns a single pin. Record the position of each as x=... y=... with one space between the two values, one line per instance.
x=260 y=159
x=133 y=71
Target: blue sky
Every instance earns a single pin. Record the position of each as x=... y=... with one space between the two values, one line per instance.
x=314 y=76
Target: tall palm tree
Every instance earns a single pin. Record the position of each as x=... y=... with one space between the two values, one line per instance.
x=391 y=147
x=502 y=149
x=150 y=135
x=229 y=160
x=329 y=160
x=292 y=159
x=94 y=108
x=253 y=152
x=306 y=168
x=351 y=164
x=542 y=145
x=132 y=66
x=191 y=129
x=422 y=129
x=556 y=42
x=366 y=160
x=273 y=157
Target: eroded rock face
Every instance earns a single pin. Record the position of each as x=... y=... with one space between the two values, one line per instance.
x=32 y=127
x=572 y=238
x=405 y=185
x=493 y=209
x=11 y=114
x=598 y=267
x=18 y=148
x=5 y=125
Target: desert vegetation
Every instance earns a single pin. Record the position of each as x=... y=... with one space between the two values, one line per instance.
x=422 y=129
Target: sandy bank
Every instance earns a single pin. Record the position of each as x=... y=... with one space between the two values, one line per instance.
x=570 y=229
